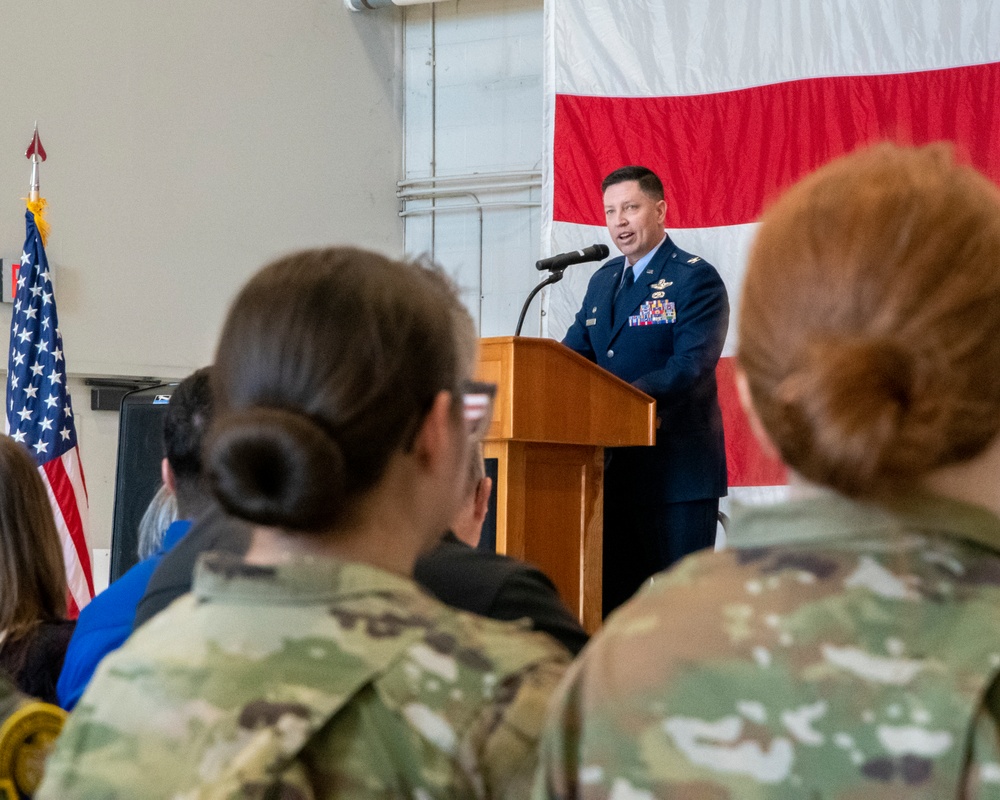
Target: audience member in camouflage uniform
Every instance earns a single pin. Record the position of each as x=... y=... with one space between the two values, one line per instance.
x=315 y=666
x=848 y=644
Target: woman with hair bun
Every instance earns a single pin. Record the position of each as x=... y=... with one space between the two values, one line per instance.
x=847 y=644
x=314 y=667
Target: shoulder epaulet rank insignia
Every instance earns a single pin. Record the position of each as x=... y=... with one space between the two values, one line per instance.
x=694 y=260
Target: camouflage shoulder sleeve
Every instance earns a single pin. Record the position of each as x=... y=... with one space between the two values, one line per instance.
x=510 y=730
x=453 y=701
x=217 y=728
x=556 y=770
x=795 y=672
x=982 y=773
x=521 y=670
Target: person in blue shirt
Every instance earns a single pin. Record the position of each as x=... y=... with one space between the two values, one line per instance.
x=106 y=622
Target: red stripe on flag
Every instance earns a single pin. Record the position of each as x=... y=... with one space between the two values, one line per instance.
x=722 y=156
x=62 y=489
x=746 y=462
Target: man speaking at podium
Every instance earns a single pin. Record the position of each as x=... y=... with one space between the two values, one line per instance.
x=657 y=318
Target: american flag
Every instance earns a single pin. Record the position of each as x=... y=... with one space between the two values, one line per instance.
x=39 y=412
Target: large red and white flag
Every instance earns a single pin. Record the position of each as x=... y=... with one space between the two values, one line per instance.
x=730 y=103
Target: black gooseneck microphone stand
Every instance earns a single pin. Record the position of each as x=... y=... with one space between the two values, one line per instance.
x=554 y=277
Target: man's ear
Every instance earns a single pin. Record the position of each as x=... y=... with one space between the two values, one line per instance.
x=746 y=400
x=435 y=435
x=482 y=499
x=167 y=475
x=661 y=212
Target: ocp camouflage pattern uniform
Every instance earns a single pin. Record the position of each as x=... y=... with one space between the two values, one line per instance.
x=835 y=651
x=318 y=678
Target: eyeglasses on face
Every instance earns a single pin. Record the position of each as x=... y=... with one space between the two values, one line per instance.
x=477 y=406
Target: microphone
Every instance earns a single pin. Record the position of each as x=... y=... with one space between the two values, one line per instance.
x=596 y=252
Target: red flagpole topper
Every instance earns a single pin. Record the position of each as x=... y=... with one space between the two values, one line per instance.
x=36 y=153
x=35 y=149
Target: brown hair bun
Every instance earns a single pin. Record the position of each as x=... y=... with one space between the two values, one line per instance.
x=869 y=329
x=277 y=468
x=848 y=412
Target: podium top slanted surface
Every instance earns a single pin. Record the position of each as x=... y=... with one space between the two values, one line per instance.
x=548 y=393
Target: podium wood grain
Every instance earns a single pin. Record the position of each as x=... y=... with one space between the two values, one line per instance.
x=555 y=413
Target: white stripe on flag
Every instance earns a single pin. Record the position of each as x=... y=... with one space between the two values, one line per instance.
x=714 y=46
x=74 y=469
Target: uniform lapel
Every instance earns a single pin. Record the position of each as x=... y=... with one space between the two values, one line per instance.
x=602 y=331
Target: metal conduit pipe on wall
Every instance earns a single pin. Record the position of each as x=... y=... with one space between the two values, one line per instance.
x=484 y=178
x=369 y=5
x=427 y=188
x=434 y=188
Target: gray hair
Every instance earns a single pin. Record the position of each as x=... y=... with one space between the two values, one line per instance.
x=160 y=514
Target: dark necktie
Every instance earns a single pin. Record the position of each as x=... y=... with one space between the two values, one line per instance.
x=621 y=302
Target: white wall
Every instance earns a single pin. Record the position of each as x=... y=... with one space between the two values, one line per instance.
x=189 y=142
x=97 y=433
x=473 y=111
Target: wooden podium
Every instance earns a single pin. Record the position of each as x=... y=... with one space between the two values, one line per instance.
x=555 y=413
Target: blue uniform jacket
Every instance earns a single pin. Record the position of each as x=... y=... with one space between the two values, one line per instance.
x=106 y=621
x=667 y=345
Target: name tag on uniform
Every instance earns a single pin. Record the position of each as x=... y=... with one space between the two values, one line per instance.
x=654 y=312
x=591 y=322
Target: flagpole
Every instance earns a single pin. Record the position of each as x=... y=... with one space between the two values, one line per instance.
x=36 y=203
x=36 y=154
x=39 y=408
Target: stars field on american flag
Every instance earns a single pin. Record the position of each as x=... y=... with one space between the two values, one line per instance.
x=39 y=410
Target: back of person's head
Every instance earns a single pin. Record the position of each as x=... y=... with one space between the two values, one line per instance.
x=649 y=182
x=869 y=332
x=185 y=423
x=327 y=364
x=32 y=576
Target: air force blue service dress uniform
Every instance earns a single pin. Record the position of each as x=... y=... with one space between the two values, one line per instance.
x=664 y=335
